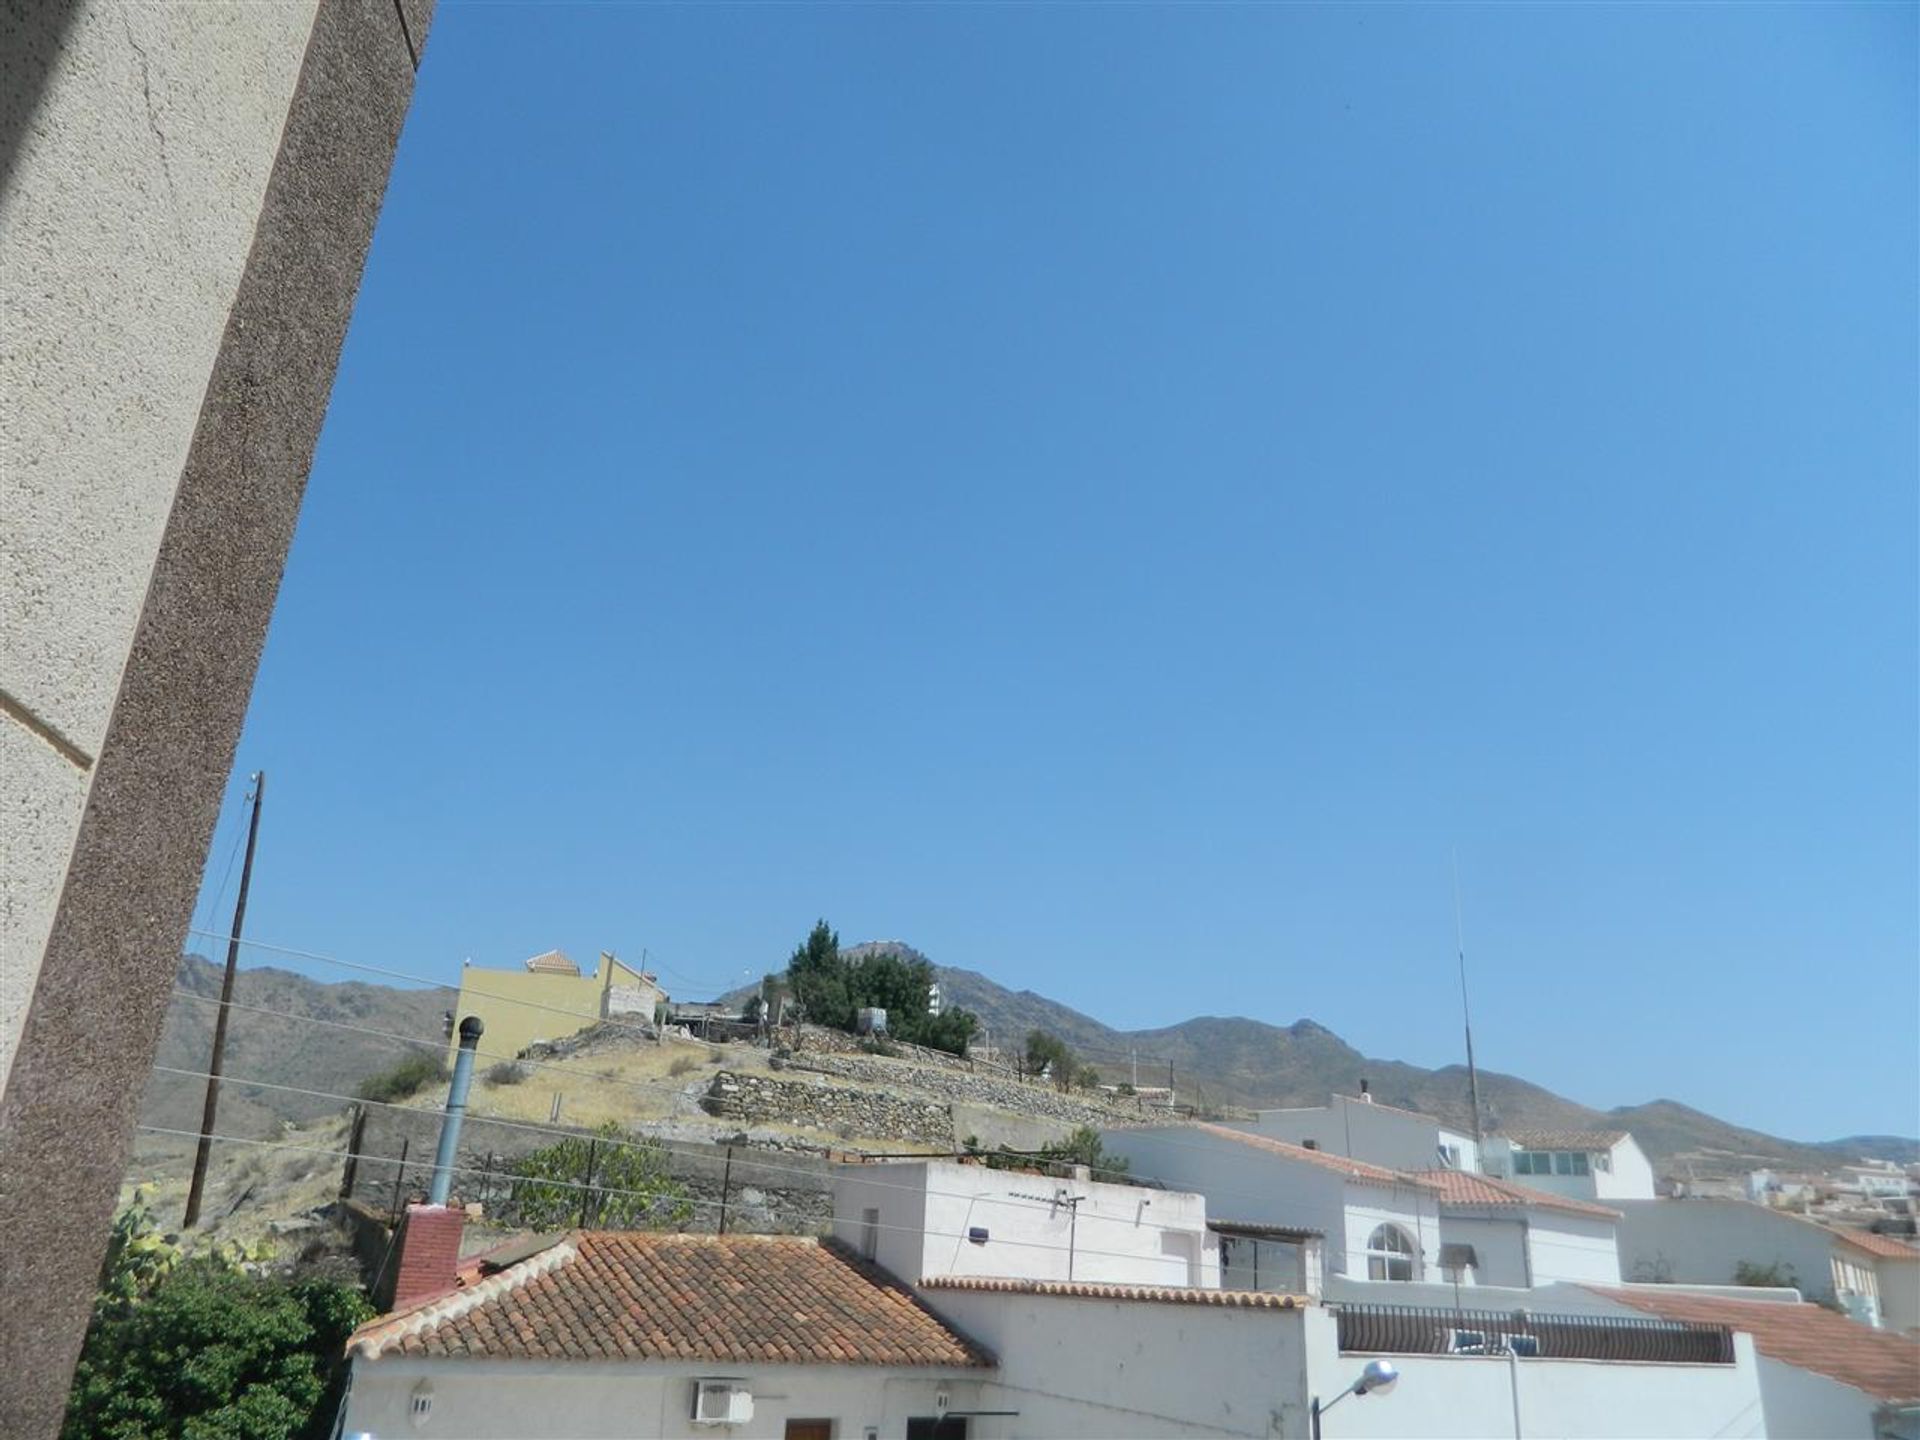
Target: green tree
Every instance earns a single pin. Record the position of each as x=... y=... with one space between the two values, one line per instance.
x=819 y=979
x=1044 y=1050
x=610 y=1178
x=213 y=1353
x=832 y=990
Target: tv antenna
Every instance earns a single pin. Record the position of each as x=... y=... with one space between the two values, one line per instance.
x=1466 y=1011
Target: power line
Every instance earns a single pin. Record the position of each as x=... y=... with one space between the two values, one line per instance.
x=608 y=1190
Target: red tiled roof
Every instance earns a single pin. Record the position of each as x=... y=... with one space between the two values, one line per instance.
x=634 y=1295
x=1093 y=1290
x=1358 y=1170
x=1885 y=1365
x=1588 y=1140
x=1463 y=1188
x=1884 y=1245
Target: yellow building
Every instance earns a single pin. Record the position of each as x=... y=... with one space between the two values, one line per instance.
x=548 y=998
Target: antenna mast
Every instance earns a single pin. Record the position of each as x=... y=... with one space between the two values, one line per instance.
x=1466 y=1012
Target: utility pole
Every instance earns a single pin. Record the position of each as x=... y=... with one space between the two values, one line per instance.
x=212 y=1110
x=1466 y=1014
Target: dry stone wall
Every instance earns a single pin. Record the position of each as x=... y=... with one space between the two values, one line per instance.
x=758 y=1099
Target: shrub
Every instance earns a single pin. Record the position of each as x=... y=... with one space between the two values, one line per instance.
x=683 y=1065
x=506 y=1072
x=202 y=1349
x=608 y=1178
x=403 y=1081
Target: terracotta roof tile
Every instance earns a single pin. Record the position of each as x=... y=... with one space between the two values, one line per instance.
x=635 y=1295
x=1095 y=1290
x=1588 y=1140
x=1885 y=1365
x=1357 y=1170
x=1463 y=1188
x=1889 y=1246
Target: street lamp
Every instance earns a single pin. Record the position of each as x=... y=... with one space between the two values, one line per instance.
x=1378 y=1378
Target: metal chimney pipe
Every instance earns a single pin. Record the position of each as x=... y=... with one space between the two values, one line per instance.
x=470 y=1030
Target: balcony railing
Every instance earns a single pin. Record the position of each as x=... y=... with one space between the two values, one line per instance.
x=1426 y=1330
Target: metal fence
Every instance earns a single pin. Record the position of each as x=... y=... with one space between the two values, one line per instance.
x=1426 y=1330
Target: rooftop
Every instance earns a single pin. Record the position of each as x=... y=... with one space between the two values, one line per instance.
x=635 y=1295
x=1461 y=1188
x=1588 y=1140
x=1097 y=1290
x=1885 y=1365
x=1357 y=1170
x=1255 y=1231
x=1887 y=1246
x=553 y=962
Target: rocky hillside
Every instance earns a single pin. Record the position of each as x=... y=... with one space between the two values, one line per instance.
x=273 y=1042
x=1215 y=1059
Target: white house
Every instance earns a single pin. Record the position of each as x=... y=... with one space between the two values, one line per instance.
x=1822 y=1377
x=1718 y=1242
x=1605 y=1165
x=928 y=1218
x=1379 y=1224
x=1494 y=1232
x=1360 y=1128
x=622 y=1334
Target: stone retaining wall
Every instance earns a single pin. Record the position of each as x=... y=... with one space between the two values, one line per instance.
x=1032 y=1100
x=757 y=1099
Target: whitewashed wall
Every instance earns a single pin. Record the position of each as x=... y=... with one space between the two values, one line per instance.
x=1801 y=1405
x=1116 y=1233
x=1572 y=1248
x=1631 y=1177
x=541 y=1400
x=1377 y=1134
x=1239 y=1181
x=1500 y=1244
x=1079 y=1369
x=1704 y=1241
x=1367 y=1207
x=1470 y=1397
x=1899 y=1284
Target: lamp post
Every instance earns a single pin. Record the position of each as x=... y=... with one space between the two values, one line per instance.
x=1378 y=1378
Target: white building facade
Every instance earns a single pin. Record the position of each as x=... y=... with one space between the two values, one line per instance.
x=1604 y=1165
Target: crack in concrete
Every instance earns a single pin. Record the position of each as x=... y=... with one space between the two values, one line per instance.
x=153 y=116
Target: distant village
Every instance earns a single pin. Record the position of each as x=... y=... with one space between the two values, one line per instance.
x=1004 y=1248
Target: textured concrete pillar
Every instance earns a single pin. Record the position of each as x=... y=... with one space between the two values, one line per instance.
x=187 y=193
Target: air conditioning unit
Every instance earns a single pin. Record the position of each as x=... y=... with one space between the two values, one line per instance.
x=721 y=1402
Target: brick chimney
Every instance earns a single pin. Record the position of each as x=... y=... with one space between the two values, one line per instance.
x=429 y=1246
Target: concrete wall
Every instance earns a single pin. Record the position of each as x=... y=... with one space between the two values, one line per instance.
x=1704 y=1241
x=1572 y=1249
x=543 y=1400
x=1114 y=1369
x=186 y=198
x=1499 y=1242
x=1378 y=1134
x=1475 y=1397
x=1899 y=1285
x=1367 y=1208
x=1240 y=1182
x=1117 y=1233
x=1801 y=1405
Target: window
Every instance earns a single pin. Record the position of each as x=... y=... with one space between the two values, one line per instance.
x=1603 y=1162
x=937 y=1427
x=1389 y=1254
x=869 y=1233
x=1579 y=1158
x=1532 y=1162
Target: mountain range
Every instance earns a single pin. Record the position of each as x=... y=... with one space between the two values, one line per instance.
x=1213 y=1059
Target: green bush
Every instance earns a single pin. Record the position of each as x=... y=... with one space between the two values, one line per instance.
x=506 y=1072
x=202 y=1350
x=405 y=1080
x=832 y=990
x=610 y=1178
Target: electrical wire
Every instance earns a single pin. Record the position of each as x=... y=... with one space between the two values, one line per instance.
x=607 y=1190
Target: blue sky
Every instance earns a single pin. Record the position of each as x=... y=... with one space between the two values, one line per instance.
x=1117 y=496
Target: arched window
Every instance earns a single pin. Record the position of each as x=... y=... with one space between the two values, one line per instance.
x=1389 y=1254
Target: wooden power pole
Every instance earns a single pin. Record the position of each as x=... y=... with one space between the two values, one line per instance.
x=205 y=1152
